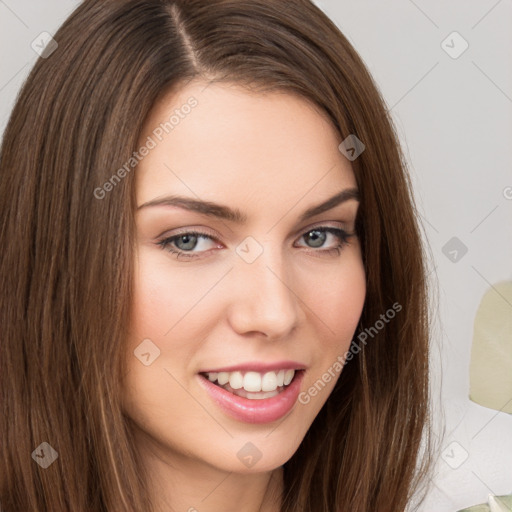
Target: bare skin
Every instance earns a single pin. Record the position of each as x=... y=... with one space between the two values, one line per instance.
x=272 y=156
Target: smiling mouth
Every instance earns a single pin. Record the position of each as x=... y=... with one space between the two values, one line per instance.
x=253 y=385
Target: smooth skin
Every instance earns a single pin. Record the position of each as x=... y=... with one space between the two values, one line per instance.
x=271 y=156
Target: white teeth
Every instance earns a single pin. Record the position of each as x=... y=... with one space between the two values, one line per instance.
x=261 y=396
x=253 y=382
x=222 y=378
x=269 y=381
x=236 y=380
x=288 y=376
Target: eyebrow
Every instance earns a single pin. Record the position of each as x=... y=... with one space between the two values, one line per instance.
x=236 y=216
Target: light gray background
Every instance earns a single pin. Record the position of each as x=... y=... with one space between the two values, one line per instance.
x=454 y=119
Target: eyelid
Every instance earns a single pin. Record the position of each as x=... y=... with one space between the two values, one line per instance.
x=324 y=224
x=300 y=231
x=186 y=230
x=178 y=231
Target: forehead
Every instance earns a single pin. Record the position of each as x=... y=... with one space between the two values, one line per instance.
x=222 y=141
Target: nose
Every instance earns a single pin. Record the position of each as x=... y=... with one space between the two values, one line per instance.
x=264 y=300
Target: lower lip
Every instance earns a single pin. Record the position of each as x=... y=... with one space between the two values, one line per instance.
x=264 y=410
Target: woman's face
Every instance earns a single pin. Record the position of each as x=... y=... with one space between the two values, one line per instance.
x=256 y=297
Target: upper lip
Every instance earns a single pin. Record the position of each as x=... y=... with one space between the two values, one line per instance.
x=258 y=366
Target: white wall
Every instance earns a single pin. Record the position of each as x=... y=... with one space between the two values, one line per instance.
x=454 y=116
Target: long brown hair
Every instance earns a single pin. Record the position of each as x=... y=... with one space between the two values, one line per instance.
x=66 y=264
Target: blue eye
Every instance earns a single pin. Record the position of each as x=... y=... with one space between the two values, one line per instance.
x=183 y=244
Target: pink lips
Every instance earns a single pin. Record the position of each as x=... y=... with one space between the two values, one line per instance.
x=255 y=411
x=258 y=367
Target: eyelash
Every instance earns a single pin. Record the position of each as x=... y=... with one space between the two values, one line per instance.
x=340 y=233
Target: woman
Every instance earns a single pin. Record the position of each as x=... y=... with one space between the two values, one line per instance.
x=214 y=284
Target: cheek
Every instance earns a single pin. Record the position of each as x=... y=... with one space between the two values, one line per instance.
x=336 y=309
x=153 y=303
x=339 y=301
x=152 y=393
x=163 y=294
